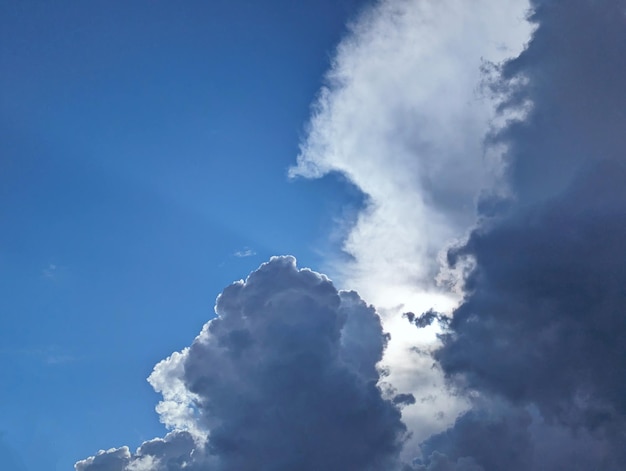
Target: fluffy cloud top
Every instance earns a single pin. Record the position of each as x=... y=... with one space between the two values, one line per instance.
x=284 y=378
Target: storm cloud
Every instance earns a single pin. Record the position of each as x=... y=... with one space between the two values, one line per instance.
x=284 y=378
x=543 y=321
x=401 y=116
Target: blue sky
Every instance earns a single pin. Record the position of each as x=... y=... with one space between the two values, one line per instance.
x=143 y=145
x=457 y=169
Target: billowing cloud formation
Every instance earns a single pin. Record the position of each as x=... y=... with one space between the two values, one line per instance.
x=284 y=378
x=402 y=116
x=543 y=323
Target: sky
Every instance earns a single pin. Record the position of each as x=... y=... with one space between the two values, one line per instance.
x=351 y=235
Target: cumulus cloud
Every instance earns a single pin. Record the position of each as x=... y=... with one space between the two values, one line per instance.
x=174 y=452
x=543 y=322
x=284 y=378
x=115 y=459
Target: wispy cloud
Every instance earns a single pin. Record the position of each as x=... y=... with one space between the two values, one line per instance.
x=245 y=252
x=50 y=271
x=49 y=355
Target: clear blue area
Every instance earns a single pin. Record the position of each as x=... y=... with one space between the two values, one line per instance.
x=142 y=144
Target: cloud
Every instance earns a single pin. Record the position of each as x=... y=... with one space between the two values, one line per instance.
x=245 y=252
x=172 y=453
x=495 y=435
x=440 y=462
x=402 y=116
x=284 y=378
x=49 y=271
x=543 y=322
x=476 y=442
x=115 y=459
x=50 y=355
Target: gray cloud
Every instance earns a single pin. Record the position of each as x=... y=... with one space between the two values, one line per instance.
x=544 y=318
x=482 y=441
x=495 y=435
x=284 y=378
x=245 y=252
x=401 y=118
x=115 y=459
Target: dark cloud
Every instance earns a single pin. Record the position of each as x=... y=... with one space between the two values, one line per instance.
x=284 y=378
x=404 y=399
x=543 y=322
x=425 y=319
x=494 y=441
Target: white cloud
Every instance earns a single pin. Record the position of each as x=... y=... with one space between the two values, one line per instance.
x=402 y=116
x=245 y=252
x=176 y=410
x=114 y=459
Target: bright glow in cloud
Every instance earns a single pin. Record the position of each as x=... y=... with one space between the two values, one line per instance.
x=403 y=117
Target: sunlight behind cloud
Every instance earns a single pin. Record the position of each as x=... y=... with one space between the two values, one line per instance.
x=402 y=116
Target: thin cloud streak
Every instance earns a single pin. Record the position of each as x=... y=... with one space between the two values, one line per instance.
x=245 y=252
